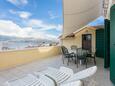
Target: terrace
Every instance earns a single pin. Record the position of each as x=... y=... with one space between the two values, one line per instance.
x=40 y=63
x=78 y=31
x=101 y=78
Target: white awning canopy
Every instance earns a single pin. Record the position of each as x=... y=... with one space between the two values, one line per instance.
x=78 y=13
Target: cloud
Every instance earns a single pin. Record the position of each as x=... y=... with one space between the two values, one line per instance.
x=10 y=28
x=52 y=16
x=59 y=28
x=35 y=23
x=24 y=15
x=18 y=2
x=21 y=14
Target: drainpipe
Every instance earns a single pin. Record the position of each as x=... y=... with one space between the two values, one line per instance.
x=108 y=9
x=107 y=35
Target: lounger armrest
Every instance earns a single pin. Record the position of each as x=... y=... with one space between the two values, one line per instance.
x=83 y=74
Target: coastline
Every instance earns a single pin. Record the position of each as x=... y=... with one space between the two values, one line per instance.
x=14 y=50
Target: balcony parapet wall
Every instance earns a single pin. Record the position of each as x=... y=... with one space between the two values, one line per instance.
x=15 y=58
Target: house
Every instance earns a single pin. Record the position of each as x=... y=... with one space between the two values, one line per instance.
x=81 y=25
x=93 y=38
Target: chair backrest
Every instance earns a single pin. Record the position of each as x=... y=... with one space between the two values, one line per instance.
x=82 y=52
x=94 y=54
x=64 y=50
x=85 y=52
x=79 y=52
x=73 y=47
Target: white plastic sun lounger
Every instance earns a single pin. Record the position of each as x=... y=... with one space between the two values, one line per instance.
x=53 y=77
x=65 y=75
x=31 y=80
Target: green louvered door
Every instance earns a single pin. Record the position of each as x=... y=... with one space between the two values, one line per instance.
x=112 y=45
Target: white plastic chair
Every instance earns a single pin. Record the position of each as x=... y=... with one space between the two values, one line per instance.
x=66 y=75
x=31 y=80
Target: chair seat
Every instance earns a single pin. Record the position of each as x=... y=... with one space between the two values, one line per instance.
x=68 y=55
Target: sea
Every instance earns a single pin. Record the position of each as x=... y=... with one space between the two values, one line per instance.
x=4 y=46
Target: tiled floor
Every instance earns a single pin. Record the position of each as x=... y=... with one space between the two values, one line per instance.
x=101 y=78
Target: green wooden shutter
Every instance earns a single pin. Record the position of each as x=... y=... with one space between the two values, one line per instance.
x=112 y=44
x=100 y=43
x=107 y=44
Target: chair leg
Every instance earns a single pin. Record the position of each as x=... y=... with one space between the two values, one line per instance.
x=72 y=58
x=86 y=62
x=94 y=61
x=68 y=61
x=77 y=62
x=63 y=59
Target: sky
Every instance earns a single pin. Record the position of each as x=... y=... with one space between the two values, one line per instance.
x=31 y=18
x=97 y=22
